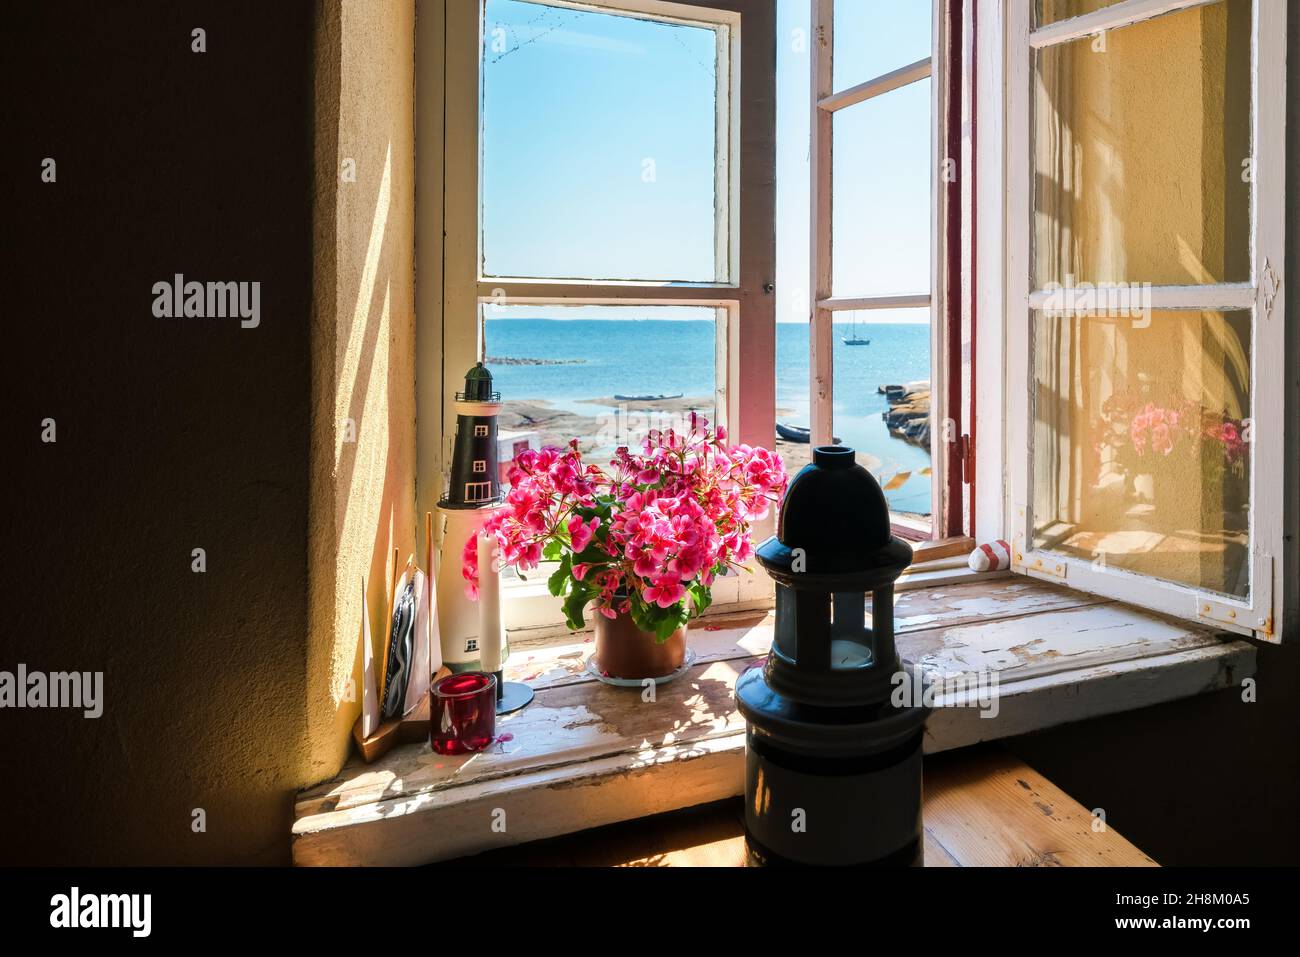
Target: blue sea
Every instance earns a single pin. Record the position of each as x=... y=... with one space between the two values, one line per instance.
x=662 y=356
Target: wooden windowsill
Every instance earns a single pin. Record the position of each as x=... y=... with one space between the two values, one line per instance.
x=585 y=754
x=983 y=808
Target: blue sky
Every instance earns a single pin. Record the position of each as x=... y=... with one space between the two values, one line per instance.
x=598 y=150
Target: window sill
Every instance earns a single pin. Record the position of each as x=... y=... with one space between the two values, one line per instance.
x=585 y=754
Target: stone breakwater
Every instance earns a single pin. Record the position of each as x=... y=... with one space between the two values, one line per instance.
x=908 y=416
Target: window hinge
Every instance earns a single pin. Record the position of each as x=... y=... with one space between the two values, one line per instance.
x=966 y=454
x=1269 y=286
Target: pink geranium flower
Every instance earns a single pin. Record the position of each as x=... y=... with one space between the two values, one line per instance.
x=675 y=514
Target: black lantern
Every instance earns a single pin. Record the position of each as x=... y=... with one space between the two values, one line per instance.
x=833 y=762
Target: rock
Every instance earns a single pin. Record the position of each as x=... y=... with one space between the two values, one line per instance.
x=908 y=417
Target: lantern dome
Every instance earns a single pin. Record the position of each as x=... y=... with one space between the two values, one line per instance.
x=834 y=521
x=478 y=386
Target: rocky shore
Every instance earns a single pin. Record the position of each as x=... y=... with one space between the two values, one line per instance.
x=908 y=416
x=503 y=361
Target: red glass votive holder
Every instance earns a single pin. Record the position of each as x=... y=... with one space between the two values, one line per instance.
x=464 y=713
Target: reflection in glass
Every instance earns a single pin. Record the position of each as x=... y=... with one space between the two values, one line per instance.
x=1141 y=455
x=1142 y=151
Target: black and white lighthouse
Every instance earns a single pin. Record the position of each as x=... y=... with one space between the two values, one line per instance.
x=473 y=493
x=475 y=479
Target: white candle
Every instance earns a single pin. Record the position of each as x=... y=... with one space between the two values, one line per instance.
x=489 y=605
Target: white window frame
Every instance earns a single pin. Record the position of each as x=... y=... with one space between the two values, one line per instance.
x=742 y=297
x=1260 y=614
x=826 y=102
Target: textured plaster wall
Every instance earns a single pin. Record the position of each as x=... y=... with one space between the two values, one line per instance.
x=362 y=345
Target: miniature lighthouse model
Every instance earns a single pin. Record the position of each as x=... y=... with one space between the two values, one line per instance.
x=473 y=494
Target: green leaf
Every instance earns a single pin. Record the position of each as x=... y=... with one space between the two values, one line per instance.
x=701 y=598
x=575 y=605
x=560 y=577
x=552 y=550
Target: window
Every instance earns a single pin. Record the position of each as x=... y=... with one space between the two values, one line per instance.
x=1146 y=338
x=480 y=431
x=480 y=466
x=887 y=340
x=478 y=491
x=594 y=204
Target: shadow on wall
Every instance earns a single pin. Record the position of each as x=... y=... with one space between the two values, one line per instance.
x=172 y=433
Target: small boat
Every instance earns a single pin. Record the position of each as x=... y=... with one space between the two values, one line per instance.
x=797 y=433
x=855 y=339
x=646 y=398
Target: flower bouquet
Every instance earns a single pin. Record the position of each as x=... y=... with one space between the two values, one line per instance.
x=645 y=537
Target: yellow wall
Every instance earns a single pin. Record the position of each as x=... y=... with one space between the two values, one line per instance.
x=363 y=347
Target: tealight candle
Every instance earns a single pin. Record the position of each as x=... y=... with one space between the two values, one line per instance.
x=464 y=713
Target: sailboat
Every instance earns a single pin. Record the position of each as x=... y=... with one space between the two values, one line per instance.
x=855 y=339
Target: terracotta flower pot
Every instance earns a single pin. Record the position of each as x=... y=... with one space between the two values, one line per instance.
x=625 y=651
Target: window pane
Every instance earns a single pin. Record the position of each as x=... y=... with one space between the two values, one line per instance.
x=598 y=145
x=1049 y=11
x=562 y=369
x=881 y=400
x=882 y=186
x=1141 y=458
x=875 y=37
x=1142 y=151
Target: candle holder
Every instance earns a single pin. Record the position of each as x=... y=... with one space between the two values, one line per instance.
x=511 y=695
x=463 y=713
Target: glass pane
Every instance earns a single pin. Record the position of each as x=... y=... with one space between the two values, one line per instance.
x=881 y=400
x=598 y=145
x=1141 y=456
x=875 y=37
x=604 y=375
x=882 y=186
x=1049 y=11
x=1142 y=152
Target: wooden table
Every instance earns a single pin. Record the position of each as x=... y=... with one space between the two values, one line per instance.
x=983 y=808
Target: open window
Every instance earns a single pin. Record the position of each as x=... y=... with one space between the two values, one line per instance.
x=889 y=346
x=1146 y=343
x=609 y=247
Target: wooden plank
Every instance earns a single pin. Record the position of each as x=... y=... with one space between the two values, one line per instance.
x=982 y=808
x=422 y=828
x=990 y=809
x=552 y=663
x=1045 y=701
x=821 y=343
x=875 y=87
x=581 y=719
x=564 y=725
